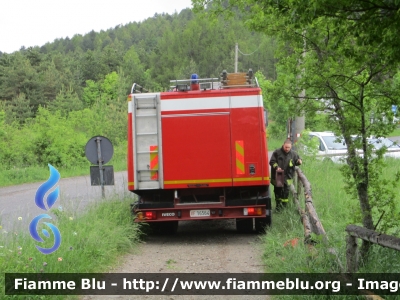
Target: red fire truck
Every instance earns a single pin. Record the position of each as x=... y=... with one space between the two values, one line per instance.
x=199 y=152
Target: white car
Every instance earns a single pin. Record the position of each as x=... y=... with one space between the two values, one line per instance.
x=330 y=146
x=392 y=148
x=336 y=149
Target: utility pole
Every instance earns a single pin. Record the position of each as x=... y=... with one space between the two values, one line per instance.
x=236 y=57
x=299 y=121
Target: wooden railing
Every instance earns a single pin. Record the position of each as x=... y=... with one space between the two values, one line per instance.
x=312 y=224
x=309 y=216
x=374 y=237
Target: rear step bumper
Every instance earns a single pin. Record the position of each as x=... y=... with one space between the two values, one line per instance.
x=159 y=212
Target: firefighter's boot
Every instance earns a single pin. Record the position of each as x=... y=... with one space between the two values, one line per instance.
x=281 y=204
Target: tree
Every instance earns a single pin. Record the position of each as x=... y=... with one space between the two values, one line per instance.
x=109 y=87
x=66 y=101
x=279 y=104
x=34 y=56
x=91 y=66
x=132 y=66
x=323 y=55
x=88 y=41
x=17 y=76
x=374 y=22
x=110 y=59
x=55 y=141
x=91 y=93
x=19 y=110
x=52 y=82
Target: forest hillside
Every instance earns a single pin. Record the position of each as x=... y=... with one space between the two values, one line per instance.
x=78 y=86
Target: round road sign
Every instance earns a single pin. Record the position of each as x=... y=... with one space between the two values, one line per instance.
x=106 y=149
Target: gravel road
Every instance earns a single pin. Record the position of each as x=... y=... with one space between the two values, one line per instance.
x=75 y=193
x=198 y=247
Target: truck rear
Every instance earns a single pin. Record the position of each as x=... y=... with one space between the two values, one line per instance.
x=199 y=152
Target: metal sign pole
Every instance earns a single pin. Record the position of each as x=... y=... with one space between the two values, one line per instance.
x=100 y=161
x=99 y=154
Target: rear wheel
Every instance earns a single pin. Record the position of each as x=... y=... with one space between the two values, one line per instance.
x=261 y=224
x=244 y=225
x=164 y=228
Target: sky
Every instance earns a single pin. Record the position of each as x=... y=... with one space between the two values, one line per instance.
x=32 y=23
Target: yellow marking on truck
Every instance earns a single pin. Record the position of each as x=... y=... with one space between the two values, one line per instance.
x=154 y=162
x=239 y=146
x=247 y=179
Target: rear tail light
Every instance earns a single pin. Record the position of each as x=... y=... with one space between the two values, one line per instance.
x=150 y=215
x=252 y=211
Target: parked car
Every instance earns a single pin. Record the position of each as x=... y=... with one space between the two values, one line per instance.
x=336 y=149
x=330 y=146
x=392 y=148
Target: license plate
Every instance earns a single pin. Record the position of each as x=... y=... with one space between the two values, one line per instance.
x=199 y=213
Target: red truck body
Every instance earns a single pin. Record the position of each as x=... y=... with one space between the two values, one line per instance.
x=198 y=154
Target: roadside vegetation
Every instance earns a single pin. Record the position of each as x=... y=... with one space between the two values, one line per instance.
x=92 y=242
x=284 y=248
x=39 y=173
x=54 y=98
x=330 y=60
x=59 y=138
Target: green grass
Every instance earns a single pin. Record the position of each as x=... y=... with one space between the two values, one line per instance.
x=91 y=243
x=275 y=143
x=336 y=210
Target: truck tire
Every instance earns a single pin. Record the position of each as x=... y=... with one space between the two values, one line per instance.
x=261 y=224
x=164 y=228
x=244 y=225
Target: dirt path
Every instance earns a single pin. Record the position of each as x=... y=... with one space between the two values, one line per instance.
x=198 y=247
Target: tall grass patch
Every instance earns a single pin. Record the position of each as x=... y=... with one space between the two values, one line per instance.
x=284 y=243
x=284 y=248
x=91 y=242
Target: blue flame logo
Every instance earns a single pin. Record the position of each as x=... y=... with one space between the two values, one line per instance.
x=40 y=202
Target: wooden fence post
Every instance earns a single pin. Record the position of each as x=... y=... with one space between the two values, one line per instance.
x=351 y=254
x=298 y=184
x=304 y=217
x=312 y=214
x=309 y=217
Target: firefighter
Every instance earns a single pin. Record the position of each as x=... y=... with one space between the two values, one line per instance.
x=283 y=159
